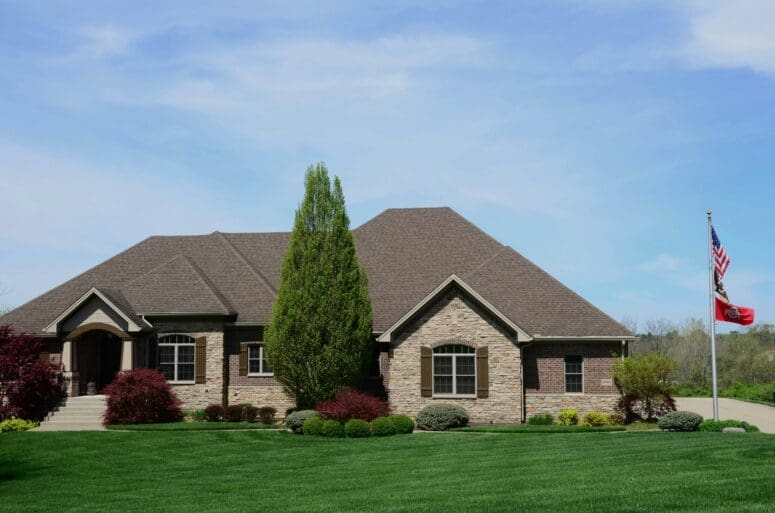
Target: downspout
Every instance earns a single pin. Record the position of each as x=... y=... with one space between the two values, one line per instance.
x=523 y=414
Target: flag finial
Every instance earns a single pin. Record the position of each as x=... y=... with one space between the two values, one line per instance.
x=709 y=213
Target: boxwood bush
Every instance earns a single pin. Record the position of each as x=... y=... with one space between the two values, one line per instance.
x=440 y=417
x=541 y=420
x=332 y=428
x=679 y=421
x=266 y=414
x=313 y=426
x=597 y=419
x=719 y=425
x=402 y=423
x=295 y=420
x=569 y=417
x=357 y=428
x=249 y=413
x=382 y=426
x=233 y=413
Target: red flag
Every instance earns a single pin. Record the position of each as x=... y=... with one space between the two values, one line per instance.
x=731 y=313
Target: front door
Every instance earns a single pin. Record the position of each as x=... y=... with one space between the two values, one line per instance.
x=99 y=360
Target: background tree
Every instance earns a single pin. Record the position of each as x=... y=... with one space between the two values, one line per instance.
x=319 y=338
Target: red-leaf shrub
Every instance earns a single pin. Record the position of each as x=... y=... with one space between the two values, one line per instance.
x=141 y=396
x=232 y=413
x=29 y=388
x=351 y=404
x=214 y=412
x=266 y=414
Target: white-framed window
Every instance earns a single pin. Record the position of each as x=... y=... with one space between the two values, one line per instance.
x=574 y=374
x=176 y=358
x=454 y=371
x=257 y=363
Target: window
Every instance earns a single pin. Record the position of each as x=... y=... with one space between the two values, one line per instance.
x=574 y=376
x=176 y=358
x=454 y=370
x=257 y=364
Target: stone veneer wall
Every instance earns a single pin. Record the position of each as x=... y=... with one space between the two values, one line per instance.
x=213 y=390
x=544 y=367
x=458 y=320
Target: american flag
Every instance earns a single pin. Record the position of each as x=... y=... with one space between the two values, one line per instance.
x=719 y=255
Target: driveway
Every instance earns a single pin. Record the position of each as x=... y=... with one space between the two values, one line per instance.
x=759 y=415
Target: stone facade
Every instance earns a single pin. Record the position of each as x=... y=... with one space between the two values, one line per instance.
x=456 y=319
x=197 y=396
x=555 y=403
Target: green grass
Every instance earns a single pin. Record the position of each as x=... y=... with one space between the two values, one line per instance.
x=527 y=428
x=642 y=426
x=246 y=471
x=191 y=426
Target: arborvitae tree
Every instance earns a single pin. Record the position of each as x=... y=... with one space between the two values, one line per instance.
x=319 y=338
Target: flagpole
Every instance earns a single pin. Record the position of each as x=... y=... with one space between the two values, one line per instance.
x=711 y=269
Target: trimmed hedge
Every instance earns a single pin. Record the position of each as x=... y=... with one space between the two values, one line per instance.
x=295 y=420
x=596 y=419
x=718 y=426
x=541 y=420
x=232 y=413
x=357 y=428
x=249 y=413
x=382 y=426
x=266 y=414
x=403 y=424
x=440 y=417
x=332 y=428
x=313 y=426
x=680 y=421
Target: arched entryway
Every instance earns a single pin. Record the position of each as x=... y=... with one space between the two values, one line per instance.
x=98 y=356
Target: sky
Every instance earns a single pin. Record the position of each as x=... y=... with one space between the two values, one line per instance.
x=591 y=136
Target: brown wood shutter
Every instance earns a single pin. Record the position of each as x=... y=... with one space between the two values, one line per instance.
x=243 y=359
x=45 y=356
x=426 y=372
x=482 y=373
x=201 y=360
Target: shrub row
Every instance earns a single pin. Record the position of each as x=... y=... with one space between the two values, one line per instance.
x=17 y=425
x=719 y=425
x=239 y=413
x=316 y=425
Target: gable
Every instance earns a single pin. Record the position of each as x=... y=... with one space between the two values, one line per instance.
x=93 y=307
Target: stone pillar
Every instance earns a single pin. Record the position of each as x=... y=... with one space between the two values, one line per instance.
x=126 y=354
x=70 y=367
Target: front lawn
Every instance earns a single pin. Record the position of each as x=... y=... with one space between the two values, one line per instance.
x=528 y=428
x=447 y=472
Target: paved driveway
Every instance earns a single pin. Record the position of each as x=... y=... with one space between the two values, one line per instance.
x=757 y=414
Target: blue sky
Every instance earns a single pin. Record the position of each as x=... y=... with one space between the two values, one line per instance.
x=591 y=136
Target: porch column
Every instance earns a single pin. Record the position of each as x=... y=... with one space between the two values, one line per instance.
x=70 y=367
x=67 y=356
x=126 y=354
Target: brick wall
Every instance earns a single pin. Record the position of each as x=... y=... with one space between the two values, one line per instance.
x=456 y=319
x=544 y=367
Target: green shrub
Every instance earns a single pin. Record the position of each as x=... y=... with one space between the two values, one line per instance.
x=402 y=423
x=569 y=417
x=332 y=429
x=439 y=417
x=196 y=415
x=541 y=420
x=382 y=426
x=596 y=418
x=313 y=426
x=17 y=425
x=357 y=428
x=679 y=421
x=295 y=420
x=718 y=425
x=616 y=419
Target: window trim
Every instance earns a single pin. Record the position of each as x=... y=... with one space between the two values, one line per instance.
x=176 y=362
x=261 y=358
x=454 y=357
x=565 y=373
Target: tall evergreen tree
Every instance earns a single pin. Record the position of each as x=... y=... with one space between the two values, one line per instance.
x=319 y=338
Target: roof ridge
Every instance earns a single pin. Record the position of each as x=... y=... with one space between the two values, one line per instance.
x=208 y=284
x=247 y=263
x=552 y=278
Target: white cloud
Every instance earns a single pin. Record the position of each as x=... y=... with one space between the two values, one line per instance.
x=98 y=42
x=732 y=34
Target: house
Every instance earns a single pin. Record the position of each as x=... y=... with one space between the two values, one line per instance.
x=458 y=317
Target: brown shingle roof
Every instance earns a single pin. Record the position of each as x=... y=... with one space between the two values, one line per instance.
x=406 y=253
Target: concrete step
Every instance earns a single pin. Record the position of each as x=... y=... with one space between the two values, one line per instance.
x=76 y=414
